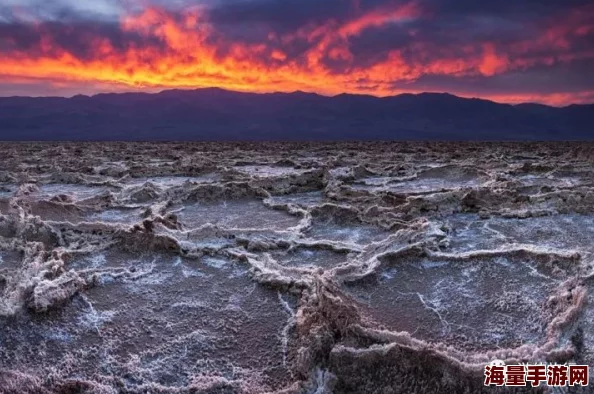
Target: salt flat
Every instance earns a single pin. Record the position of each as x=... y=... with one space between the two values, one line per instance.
x=280 y=268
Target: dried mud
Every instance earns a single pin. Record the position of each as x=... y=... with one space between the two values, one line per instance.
x=292 y=268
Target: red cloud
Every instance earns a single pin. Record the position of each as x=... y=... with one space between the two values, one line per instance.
x=185 y=50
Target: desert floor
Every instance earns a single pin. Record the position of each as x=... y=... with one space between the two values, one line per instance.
x=293 y=268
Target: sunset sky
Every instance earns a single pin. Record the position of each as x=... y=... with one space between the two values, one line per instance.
x=505 y=50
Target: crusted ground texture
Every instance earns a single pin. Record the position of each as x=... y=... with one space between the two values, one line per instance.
x=292 y=268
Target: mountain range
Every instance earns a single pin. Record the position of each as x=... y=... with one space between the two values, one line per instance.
x=215 y=114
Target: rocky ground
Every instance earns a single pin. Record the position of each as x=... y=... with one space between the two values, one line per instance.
x=291 y=268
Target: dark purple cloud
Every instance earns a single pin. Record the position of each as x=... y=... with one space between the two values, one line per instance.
x=506 y=50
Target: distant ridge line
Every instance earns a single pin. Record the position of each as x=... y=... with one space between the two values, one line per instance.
x=215 y=114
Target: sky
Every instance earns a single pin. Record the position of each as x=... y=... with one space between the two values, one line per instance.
x=504 y=50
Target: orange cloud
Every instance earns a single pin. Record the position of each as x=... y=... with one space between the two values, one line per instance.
x=191 y=53
x=492 y=63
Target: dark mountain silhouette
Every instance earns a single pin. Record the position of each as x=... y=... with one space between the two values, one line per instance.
x=216 y=114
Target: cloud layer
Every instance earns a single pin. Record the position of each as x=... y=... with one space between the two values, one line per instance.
x=504 y=50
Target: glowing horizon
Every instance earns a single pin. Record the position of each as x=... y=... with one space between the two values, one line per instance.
x=384 y=49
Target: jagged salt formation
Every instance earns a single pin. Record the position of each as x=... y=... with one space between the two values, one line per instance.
x=291 y=268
